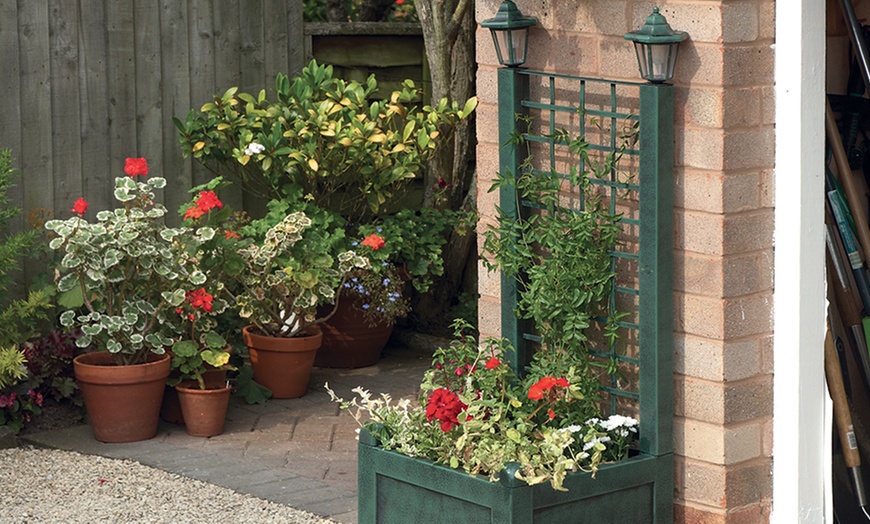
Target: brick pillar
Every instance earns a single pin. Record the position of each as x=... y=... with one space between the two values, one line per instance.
x=723 y=272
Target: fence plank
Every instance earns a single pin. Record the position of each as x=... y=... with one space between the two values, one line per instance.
x=275 y=41
x=227 y=71
x=202 y=62
x=296 y=59
x=36 y=133
x=175 y=70
x=65 y=116
x=122 y=83
x=97 y=168
x=10 y=131
x=253 y=75
x=149 y=97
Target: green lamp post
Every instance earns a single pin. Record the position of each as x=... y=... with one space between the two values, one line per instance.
x=656 y=46
x=510 y=33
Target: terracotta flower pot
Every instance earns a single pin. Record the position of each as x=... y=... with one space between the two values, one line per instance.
x=283 y=364
x=123 y=402
x=349 y=340
x=204 y=410
x=170 y=410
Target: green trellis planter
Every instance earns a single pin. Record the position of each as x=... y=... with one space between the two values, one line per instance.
x=394 y=488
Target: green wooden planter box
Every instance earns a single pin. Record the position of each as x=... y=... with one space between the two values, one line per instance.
x=394 y=488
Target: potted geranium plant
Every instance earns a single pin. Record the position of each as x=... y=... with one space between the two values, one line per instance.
x=129 y=271
x=285 y=278
x=327 y=147
x=202 y=360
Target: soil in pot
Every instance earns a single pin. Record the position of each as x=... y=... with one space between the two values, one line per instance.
x=123 y=402
x=283 y=364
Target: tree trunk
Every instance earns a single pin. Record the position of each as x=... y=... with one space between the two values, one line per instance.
x=448 y=32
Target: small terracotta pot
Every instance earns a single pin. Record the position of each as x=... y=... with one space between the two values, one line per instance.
x=283 y=364
x=204 y=410
x=123 y=402
x=214 y=378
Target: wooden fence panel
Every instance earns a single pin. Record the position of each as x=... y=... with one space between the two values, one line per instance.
x=10 y=131
x=97 y=167
x=88 y=83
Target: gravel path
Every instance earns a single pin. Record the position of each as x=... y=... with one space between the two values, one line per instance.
x=53 y=486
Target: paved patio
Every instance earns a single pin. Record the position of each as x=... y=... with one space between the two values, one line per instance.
x=299 y=452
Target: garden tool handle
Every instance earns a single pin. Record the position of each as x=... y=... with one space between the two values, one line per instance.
x=845 y=178
x=842 y=415
x=843 y=418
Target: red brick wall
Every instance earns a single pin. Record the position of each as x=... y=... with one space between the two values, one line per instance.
x=723 y=219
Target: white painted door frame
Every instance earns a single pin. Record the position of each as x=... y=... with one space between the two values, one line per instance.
x=799 y=429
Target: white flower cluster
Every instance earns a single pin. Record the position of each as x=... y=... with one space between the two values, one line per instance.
x=254 y=149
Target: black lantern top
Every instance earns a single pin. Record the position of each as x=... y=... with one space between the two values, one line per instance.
x=656 y=31
x=508 y=17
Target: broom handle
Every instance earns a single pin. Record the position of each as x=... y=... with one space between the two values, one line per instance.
x=845 y=178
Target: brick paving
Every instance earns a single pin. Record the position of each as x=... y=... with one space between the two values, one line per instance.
x=297 y=452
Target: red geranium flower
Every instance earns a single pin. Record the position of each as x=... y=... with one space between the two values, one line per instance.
x=136 y=166
x=492 y=363
x=206 y=201
x=445 y=406
x=200 y=298
x=80 y=207
x=374 y=241
x=539 y=388
x=229 y=234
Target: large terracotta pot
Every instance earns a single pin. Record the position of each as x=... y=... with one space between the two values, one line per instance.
x=204 y=410
x=123 y=402
x=349 y=339
x=283 y=364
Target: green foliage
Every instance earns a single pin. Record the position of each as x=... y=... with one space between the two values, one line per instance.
x=401 y=11
x=12 y=368
x=322 y=140
x=190 y=357
x=17 y=408
x=560 y=256
x=132 y=270
x=479 y=417
x=50 y=367
x=248 y=389
x=290 y=273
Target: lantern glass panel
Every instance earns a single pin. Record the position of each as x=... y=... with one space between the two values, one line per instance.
x=656 y=61
x=510 y=45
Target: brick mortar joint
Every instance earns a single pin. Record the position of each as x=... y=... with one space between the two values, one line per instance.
x=738 y=382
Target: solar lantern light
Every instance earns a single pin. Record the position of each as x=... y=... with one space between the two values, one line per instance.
x=510 y=33
x=656 y=46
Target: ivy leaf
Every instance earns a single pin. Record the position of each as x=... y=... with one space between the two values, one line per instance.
x=251 y=391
